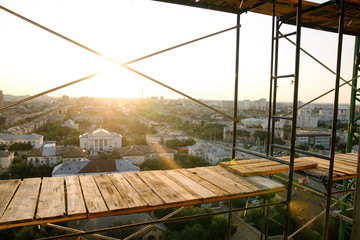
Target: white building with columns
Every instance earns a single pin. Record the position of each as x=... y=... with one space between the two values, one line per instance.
x=100 y=140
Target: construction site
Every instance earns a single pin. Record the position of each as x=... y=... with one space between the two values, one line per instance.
x=47 y=201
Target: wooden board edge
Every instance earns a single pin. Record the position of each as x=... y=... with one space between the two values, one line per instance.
x=38 y=222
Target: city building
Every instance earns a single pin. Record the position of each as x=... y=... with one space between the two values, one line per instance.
x=71 y=124
x=6 y=158
x=65 y=99
x=141 y=153
x=100 y=140
x=163 y=137
x=256 y=105
x=210 y=152
x=253 y=122
x=312 y=139
x=35 y=140
x=68 y=168
x=51 y=154
x=306 y=119
x=94 y=119
x=133 y=153
x=108 y=166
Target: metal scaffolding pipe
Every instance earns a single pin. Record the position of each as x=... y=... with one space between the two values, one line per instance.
x=302 y=152
x=311 y=190
x=322 y=95
x=235 y=109
x=153 y=225
x=294 y=119
x=317 y=216
x=261 y=155
x=162 y=221
x=122 y=64
x=78 y=231
x=322 y=64
x=334 y=121
x=355 y=233
x=268 y=143
x=274 y=82
x=49 y=91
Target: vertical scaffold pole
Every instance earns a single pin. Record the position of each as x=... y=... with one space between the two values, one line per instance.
x=268 y=143
x=355 y=232
x=235 y=108
x=266 y=211
x=334 y=120
x=352 y=128
x=294 y=117
x=274 y=83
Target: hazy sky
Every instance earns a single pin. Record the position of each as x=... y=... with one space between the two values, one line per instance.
x=32 y=60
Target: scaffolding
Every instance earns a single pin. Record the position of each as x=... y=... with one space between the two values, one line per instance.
x=301 y=14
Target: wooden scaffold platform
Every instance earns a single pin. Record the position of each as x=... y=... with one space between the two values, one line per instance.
x=55 y=199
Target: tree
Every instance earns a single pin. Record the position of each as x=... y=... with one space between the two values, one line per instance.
x=73 y=140
x=20 y=146
x=2 y=122
x=303 y=147
x=189 y=142
x=53 y=131
x=194 y=232
x=174 y=144
x=207 y=228
x=279 y=141
x=261 y=135
x=20 y=169
x=122 y=233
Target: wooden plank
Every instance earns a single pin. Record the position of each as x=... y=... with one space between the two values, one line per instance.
x=7 y=190
x=191 y=186
x=166 y=193
x=52 y=198
x=93 y=199
x=75 y=199
x=127 y=192
x=109 y=192
x=246 y=170
x=266 y=183
x=266 y=163
x=143 y=190
x=243 y=162
x=340 y=168
x=348 y=156
x=22 y=207
x=235 y=178
x=175 y=186
x=321 y=172
x=256 y=184
x=227 y=179
x=218 y=191
x=229 y=186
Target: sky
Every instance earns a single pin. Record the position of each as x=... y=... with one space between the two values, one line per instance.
x=32 y=60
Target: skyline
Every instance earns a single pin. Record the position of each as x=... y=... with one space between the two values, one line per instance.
x=33 y=60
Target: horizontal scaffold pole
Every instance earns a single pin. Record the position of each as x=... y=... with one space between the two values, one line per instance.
x=162 y=221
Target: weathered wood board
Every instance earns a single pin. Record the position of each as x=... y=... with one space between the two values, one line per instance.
x=264 y=166
x=7 y=190
x=22 y=206
x=52 y=198
x=75 y=199
x=37 y=201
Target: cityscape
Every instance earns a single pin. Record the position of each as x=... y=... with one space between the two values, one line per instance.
x=180 y=120
x=58 y=137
